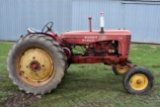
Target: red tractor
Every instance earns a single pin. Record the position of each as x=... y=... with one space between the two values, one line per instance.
x=38 y=61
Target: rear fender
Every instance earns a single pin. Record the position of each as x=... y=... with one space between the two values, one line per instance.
x=52 y=35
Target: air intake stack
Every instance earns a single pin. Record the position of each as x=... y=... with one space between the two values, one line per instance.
x=102 y=22
x=90 y=23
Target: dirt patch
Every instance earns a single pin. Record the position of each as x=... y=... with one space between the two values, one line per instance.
x=19 y=100
x=156 y=66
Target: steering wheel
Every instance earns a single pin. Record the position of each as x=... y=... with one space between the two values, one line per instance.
x=47 y=27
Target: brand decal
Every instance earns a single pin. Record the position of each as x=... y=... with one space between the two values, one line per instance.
x=89 y=38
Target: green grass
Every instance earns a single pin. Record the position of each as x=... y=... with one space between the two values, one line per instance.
x=93 y=85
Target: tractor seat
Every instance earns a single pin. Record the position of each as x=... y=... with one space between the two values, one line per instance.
x=32 y=30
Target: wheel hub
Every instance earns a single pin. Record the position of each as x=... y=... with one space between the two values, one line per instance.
x=35 y=66
x=139 y=81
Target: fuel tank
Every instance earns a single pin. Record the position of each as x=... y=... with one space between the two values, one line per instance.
x=86 y=37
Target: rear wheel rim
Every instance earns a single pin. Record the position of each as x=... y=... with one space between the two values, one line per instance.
x=35 y=66
x=139 y=82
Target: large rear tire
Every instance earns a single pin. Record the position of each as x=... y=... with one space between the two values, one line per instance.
x=36 y=63
x=138 y=80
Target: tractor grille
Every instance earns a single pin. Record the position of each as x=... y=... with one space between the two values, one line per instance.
x=128 y=40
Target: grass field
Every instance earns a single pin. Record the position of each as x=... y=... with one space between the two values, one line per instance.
x=91 y=85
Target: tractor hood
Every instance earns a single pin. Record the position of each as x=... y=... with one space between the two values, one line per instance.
x=86 y=37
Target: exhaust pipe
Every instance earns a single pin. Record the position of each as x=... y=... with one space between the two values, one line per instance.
x=102 y=22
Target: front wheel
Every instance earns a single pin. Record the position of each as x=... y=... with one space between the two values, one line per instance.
x=138 y=80
x=120 y=70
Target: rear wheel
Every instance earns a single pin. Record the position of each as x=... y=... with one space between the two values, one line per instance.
x=138 y=80
x=36 y=64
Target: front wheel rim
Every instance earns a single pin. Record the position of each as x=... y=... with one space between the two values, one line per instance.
x=122 y=69
x=139 y=82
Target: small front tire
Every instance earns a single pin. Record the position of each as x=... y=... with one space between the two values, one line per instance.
x=138 y=80
x=120 y=70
